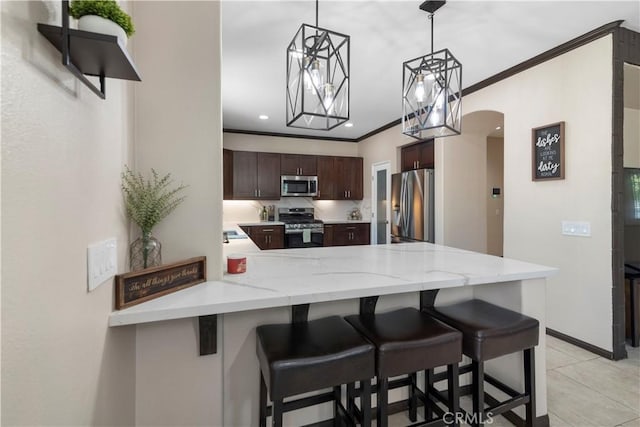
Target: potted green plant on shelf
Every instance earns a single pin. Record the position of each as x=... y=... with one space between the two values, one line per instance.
x=102 y=16
x=147 y=202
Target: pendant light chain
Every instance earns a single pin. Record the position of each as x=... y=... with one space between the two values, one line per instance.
x=317 y=13
x=431 y=19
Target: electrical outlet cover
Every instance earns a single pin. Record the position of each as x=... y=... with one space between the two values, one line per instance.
x=102 y=262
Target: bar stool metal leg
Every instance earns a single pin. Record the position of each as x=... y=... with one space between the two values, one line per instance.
x=453 y=389
x=263 y=402
x=477 y=373
x=428 y=383
x=381 y=410
x=530 y=385
x=413 y=398
x=276 y=416
x=365 y=402
x=351 y=398
x=337 y=395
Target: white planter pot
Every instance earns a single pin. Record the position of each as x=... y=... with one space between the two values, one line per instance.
x=97 y=24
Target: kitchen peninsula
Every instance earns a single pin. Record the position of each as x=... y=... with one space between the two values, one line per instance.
x=332 y=279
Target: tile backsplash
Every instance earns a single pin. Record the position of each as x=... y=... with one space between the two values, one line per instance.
x=249 y=210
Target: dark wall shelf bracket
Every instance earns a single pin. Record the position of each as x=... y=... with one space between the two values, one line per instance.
x=208 y=334
x=89 y=54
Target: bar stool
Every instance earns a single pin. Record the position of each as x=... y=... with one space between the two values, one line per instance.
x=408 y=341
x=490 y=331
x=304 y=356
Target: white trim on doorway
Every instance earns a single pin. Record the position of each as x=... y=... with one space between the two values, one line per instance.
x=375 y=168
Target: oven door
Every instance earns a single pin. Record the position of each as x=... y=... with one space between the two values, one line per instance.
x=295 y=239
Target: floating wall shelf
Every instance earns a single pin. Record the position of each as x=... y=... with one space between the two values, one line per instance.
x=90 y=54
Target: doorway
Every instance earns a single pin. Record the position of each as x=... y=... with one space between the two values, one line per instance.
x=380 y=206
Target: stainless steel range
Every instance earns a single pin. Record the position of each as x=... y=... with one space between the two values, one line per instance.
x=301 y=229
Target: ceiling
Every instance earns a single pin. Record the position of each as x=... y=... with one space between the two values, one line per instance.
x=485 y=36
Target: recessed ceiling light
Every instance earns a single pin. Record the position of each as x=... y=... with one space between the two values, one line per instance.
x=348 y=125
x=498 y=128
x=263 y=117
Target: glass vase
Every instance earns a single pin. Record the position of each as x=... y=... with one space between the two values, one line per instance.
x=145 y=252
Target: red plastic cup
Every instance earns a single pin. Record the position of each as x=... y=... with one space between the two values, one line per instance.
x=236 y=264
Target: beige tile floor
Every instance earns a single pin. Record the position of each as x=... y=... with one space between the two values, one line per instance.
x=583 y=389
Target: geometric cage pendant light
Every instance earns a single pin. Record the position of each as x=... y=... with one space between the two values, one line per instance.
x=432 y=91
x=317 y=78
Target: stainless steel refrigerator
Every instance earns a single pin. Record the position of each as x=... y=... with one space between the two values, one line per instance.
x=412 y=206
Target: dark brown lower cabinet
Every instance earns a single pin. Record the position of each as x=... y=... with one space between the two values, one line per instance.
x=347 y=234
x=266 y=236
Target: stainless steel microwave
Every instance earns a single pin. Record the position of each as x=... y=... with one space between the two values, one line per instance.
x=299 y=186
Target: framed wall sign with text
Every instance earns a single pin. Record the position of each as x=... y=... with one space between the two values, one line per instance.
x=548 y=152
x=144 y=285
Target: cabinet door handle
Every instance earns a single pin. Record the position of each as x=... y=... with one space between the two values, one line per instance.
x=418 y=162
x=255 y=193
x=269 y=239
x=267 y=230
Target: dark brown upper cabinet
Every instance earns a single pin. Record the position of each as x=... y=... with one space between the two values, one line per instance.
x=349 y=177
x=256 y=175
x=227 y=171
x=298 y=164
x=340 y=178
x=250 y=175
x=418 y=156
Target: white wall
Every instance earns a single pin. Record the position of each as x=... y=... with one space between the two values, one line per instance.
x=465 y=204
x=278 y=144
x=562 y=89
x=495 y=205
x=63 y=150
x=179 y=130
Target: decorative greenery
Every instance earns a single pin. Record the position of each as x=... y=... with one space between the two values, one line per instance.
x=149 y=201
x=107 y=9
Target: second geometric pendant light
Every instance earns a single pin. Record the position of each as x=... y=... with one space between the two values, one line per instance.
x=432 y=91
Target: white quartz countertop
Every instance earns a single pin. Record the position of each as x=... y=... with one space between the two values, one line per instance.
x=286 y=277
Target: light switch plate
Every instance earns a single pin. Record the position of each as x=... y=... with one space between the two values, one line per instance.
x=576 y=228
x=102 y=262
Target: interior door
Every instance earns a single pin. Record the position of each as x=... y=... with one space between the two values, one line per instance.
x=380 y=203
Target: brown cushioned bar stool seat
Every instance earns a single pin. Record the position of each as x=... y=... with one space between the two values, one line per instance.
x=305 y=356
x=408 y=341
x=490 y=331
